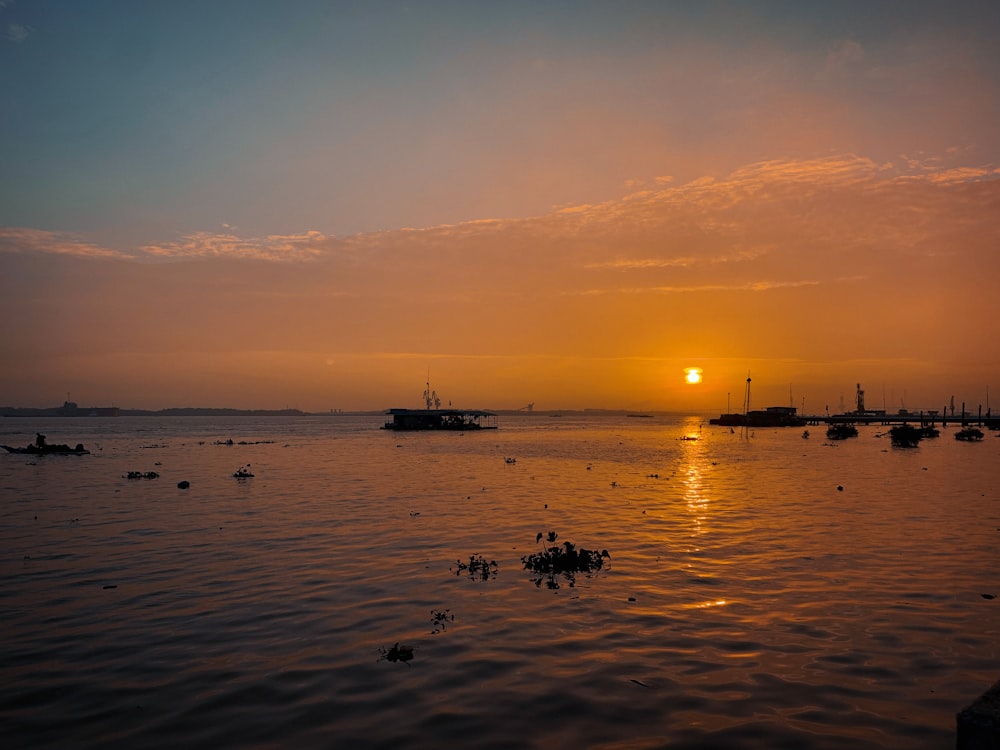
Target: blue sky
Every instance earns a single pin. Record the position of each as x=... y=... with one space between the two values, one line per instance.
x=137 y=121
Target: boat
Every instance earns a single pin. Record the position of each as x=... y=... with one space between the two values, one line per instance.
x=433 y=417
x=41 y=448
x=772 y=416
x=72 y=409
x=440 y=419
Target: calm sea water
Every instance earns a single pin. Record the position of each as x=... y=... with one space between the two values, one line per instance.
x=774 y=591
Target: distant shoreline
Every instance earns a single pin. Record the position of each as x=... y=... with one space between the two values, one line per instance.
x=95 y=412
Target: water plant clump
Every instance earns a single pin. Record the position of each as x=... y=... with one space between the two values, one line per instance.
x=905 y=436
x=841 y=431
x=396 y=653
x=243 y=472
x=562 y=560
x=969 y=434
x=478 y=568
x=140 y=475
x=440 y=620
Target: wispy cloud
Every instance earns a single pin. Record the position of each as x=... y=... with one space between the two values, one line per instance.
x=748 y=286
x=780 y=209
x=958 y=175
x=25 y=239
x=844 y=53
x=686 y=261
x=16 y=32
x=288 y=247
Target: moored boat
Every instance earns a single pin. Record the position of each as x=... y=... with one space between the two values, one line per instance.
x=41 y=448
x=772 y=416
x=440 y=419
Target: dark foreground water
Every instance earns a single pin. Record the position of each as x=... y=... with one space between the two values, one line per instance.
x=772 y=592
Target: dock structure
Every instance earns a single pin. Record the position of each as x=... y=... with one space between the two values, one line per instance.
x=440 y=419
x=862 y=415
x=979 y=723
x=924 y=419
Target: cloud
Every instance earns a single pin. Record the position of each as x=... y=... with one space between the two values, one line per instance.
x=844 y=53
x=749 y=286
x=961 y=175
x=276 y=247
x=25 y=239
x=768 y=212
x=633 y=264
x=16 y=32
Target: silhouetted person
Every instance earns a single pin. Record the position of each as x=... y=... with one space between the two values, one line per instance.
x=39 y=440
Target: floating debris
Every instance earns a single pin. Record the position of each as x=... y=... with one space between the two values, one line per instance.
x=396 y=653
x=243 y=472
x=478 y=568
x=183 y=484
x=242 y=442
x=140 y=475
x=509 y=460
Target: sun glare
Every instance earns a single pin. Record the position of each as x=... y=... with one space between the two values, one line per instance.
x=692 y=375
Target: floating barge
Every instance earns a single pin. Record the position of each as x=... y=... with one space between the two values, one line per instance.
x=440 y=419
x=772 y=416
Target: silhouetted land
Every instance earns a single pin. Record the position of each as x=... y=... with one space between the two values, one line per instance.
x=58 y=411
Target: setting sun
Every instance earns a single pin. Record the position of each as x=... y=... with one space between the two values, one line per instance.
x=692 y=375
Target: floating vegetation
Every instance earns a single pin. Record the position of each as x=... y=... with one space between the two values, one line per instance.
x=396 y=653
x=509 y=460
x=841 y=431
x=477 y=567
x=440 y=620
x=140 y=475
x=243 y=472
x=563 y=560
x=242 y=442
x=969 y=434
x=930 y=432
x=905 y=436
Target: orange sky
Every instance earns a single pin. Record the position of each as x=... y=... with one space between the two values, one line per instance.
x=827 y=212
x=811 y=275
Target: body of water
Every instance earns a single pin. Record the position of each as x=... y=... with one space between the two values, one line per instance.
x=767 y=591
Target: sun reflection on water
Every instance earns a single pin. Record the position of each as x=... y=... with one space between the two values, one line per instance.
x=692 y=479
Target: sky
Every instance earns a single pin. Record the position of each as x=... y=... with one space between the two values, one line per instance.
x=319 y=205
